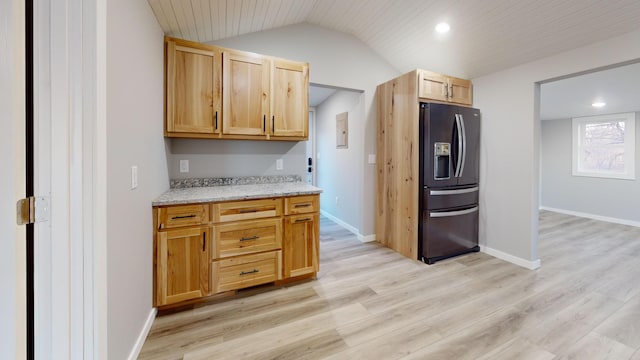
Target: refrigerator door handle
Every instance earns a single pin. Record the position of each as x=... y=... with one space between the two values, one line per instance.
x=453 y=213
x=459 y=149
x=464 y=145
x=454 y=192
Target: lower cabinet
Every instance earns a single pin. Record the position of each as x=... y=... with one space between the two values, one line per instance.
x=301 y=246
x=205 y=249
x=182 y=265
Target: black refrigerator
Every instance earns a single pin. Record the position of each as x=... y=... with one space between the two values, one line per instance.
x=449 y=167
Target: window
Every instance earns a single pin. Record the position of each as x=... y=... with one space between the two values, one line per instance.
x=604 y=146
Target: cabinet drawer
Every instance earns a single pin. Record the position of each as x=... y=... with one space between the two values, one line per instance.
x=247 y=270
x=182 y=215
x=246 y=210
x=301 y=204
x=231 y=239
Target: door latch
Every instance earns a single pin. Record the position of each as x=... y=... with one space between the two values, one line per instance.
x=32 y=210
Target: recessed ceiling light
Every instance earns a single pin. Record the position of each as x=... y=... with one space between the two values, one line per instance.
x=442 y=28
x=599 y=104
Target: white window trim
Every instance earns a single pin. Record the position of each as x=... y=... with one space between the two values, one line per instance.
x=629 y=145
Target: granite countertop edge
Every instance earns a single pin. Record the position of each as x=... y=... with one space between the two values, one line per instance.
x=197 y=195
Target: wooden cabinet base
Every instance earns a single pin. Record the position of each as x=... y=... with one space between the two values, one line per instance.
x=207 y=249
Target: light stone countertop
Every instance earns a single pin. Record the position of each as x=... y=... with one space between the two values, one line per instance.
x=234 y=192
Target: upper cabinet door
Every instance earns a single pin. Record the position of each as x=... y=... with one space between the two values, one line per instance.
x=289 y=98
x=460 y=91
x=192 y=88
x=245 y=93
x=432 y=86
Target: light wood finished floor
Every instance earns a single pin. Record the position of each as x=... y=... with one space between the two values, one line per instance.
x=371 y=303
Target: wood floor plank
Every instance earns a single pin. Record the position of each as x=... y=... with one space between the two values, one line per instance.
x=476 y=340
x=624 y=325
x=392 y=344
x=519 y=349
x=278 y=336
x=595 y=346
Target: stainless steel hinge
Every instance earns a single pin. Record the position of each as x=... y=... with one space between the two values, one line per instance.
x=32 y=210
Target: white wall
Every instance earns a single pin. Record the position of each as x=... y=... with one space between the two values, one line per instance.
x=611 y=198
x=220 y=158
x=510 y=141
x=134 y=137
x=12 y=180
x=335 y=166
x=339 y=60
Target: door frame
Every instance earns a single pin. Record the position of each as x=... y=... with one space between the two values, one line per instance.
x=70 y=169
x=311 y=145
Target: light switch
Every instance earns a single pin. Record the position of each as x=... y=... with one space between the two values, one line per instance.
x=134 y=177
x=184 y=166
x=372 y=158
x=279 y=164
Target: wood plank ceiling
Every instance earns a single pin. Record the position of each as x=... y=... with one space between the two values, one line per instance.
x=486 y=36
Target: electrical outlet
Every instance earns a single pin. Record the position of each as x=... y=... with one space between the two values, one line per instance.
x=279 y=164
x=134 y=177
x=184 y=166
x=337 y=200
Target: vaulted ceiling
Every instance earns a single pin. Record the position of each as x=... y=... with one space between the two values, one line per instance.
x=485 y=36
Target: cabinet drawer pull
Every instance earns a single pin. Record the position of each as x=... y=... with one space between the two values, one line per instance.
x=183 y=217
x=204 y=241
x=249 y=272
x=303 y=220
x=250 y=238
x=245 y=211
x=302 y=205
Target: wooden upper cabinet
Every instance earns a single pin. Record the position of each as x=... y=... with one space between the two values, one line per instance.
x=245 y=93
x=432 y=86
x=217 y=93
x=193 y=98
x=460 y=91
x=443 y=88
x=289 y=98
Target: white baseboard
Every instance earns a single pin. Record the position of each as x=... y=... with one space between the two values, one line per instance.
x=143 y=335
x=531 y=265
x=592 y=216
x=367 y=238
x=356 y=232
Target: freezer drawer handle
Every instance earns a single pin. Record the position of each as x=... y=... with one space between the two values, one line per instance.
x=453 y=192
x=453 y=213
